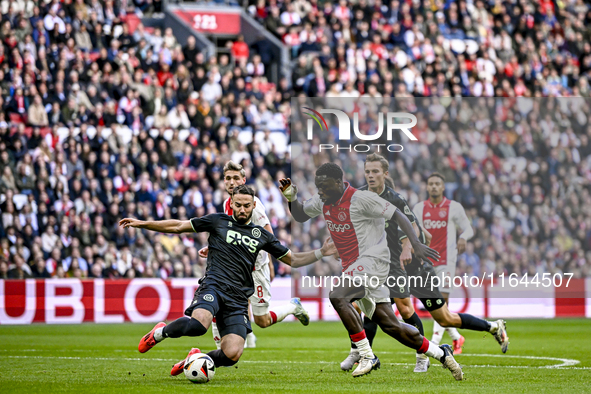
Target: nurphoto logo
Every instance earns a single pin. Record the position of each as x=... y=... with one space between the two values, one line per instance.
x=344 y=124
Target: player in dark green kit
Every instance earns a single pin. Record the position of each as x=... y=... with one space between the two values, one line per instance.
x=234 y=243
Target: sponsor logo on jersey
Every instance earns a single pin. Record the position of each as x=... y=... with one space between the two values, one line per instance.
x=261 y=301
x=235 y=238
x=342 y=216
x=339 y=228
x=208 y=297
x=407 y=210
x=229 y=224
x=428 y=215
x=256 y=232
x=434 y=224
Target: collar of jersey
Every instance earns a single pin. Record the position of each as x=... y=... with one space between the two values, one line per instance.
x=344 y=191
x=439 y=204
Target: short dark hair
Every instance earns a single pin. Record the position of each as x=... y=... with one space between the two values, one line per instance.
x=330 y=170
x=243 y=189
x=436 y=174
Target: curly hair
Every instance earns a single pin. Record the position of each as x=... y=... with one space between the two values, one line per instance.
x=330 y=170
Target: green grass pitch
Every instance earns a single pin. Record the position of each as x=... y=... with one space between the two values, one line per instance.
x=544 y=356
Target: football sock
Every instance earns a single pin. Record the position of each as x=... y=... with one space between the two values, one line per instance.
x=431 y=349
x=360 y=340
x=371 y=329
x=437 y=333
x=216 y=333
x=250 y=339
x=281 y=312
x=493 y=327
x=158 y=334
x=474 y=323
x=415 y=321
x=220 y=359
x=183 y=327
x=453 y=333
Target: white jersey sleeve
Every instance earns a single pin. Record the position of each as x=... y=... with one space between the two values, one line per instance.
x=374 y=206
x=313 y=206
x=418 y=211
x=259 y=216
x=458 y=215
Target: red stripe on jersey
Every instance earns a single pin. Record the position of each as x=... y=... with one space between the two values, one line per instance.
x=436 y=220
x=228 y=207
x=338 y=221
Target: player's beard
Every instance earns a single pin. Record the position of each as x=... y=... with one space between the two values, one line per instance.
x=242 y=220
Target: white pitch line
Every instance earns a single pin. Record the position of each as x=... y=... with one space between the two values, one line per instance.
x=565 y=362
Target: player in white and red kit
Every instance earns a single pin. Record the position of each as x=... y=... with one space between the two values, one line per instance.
x=441 y=218
x=356 y=222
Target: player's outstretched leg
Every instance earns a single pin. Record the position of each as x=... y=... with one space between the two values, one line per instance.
x=278 y=314
x=177 y=368
x=469 y=322
x=181 y=327
x=410 y=336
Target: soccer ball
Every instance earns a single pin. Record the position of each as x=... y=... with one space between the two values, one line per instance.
x=199 y=368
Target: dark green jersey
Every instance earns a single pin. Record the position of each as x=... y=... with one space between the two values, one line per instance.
x=233 y=249
x=392 y=233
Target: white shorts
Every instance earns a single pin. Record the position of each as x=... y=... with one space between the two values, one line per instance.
x=446 y=271
x=262 y=291
x=372 y=273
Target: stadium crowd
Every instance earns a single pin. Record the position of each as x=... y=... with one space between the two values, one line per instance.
x=99 y=122
x=435 y=47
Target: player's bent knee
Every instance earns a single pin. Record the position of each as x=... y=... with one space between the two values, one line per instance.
x=194 y=328
x=234 y=353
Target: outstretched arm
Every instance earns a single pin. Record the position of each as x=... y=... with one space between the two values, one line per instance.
x=304 y=258
x=290 y=192
x=163 y=226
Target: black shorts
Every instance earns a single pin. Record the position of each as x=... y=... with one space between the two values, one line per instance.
x=421 y=278
x=397 y=281
x=228 y=305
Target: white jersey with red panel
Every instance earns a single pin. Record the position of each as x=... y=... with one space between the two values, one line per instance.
x=356 y=223
x=442 y=221
x=259 y=217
